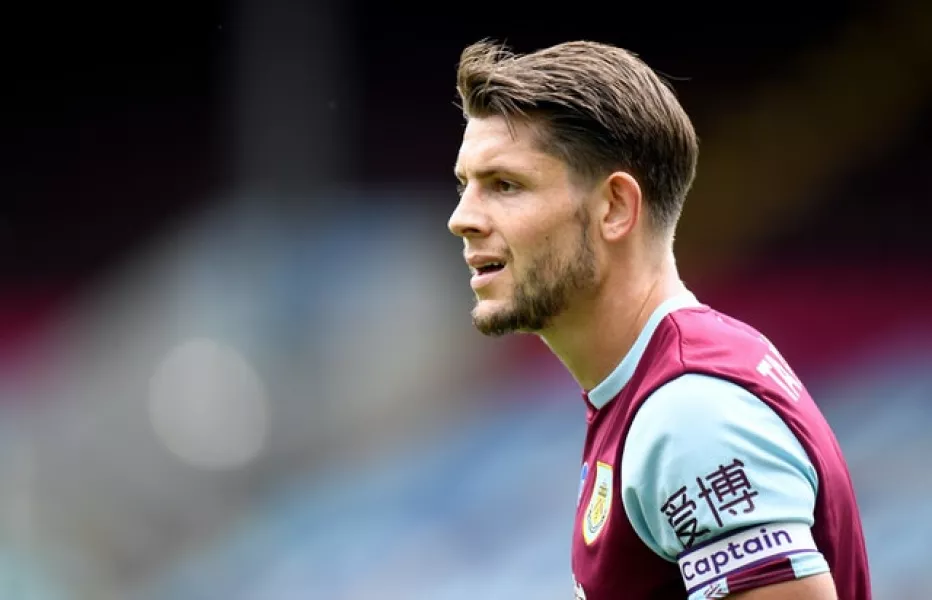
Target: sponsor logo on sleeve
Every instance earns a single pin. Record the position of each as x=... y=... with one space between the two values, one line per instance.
x=726 y=491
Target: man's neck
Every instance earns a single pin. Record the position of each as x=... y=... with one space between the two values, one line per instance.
x=595 y=339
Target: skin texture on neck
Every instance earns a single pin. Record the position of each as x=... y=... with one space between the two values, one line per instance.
x=593 y=338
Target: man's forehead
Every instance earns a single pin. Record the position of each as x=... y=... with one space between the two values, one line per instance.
x=491 y=140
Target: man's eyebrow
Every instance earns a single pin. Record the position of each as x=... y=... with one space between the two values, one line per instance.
x=487 y=172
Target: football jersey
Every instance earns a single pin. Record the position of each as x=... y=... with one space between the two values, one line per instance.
x=709 y=470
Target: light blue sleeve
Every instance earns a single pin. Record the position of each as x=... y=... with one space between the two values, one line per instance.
x=707 y=462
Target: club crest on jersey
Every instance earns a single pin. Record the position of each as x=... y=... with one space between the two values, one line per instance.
x=600 y=503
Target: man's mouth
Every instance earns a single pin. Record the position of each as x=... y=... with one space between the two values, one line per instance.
x=484 y=274
x=489 y=268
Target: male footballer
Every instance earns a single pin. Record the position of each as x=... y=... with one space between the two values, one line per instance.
x=707 y=470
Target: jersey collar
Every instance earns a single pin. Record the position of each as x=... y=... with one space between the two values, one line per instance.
x=612 y=385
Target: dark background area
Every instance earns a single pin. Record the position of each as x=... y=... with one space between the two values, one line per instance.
x=115 y=114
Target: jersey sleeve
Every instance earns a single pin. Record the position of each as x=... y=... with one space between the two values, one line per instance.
x=713 y=479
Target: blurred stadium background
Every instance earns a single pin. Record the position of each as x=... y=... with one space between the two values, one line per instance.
x=235 y=354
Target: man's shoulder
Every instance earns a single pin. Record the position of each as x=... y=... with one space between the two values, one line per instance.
x=704 y=323
x=702 y=339
x=705 y=341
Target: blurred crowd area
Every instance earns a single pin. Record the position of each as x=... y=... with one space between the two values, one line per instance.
x=236 y=359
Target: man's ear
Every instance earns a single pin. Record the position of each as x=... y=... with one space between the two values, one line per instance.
x=620 y=205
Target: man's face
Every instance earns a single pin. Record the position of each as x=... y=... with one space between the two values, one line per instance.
x=524 y=227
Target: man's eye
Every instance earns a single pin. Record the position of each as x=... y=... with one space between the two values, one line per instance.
x=506 y=187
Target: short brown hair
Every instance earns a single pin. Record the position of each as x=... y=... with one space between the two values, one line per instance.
x=601 y=107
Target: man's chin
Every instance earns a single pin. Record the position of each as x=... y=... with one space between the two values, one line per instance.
x=495 y=319
x=494 y=328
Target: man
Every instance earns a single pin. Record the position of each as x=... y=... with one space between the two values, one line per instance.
x=707 y=471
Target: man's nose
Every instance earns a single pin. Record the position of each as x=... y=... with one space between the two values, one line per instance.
x=469 y=219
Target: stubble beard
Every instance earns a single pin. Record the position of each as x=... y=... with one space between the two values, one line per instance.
x=544 y=291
